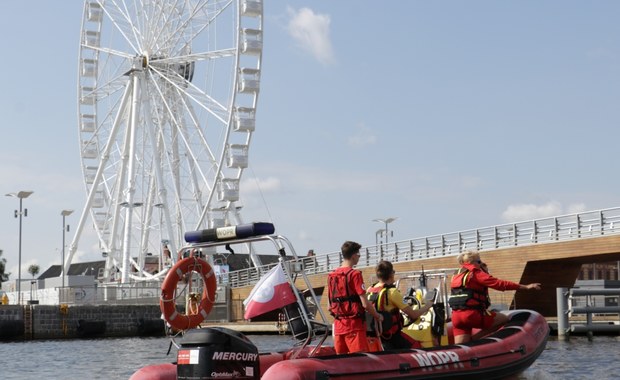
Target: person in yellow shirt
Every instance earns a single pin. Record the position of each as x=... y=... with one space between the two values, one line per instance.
x=387 y=299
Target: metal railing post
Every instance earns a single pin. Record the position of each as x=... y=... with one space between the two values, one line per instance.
x=561 y=295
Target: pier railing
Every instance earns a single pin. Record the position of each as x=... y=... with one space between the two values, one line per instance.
x=539 y=231
x=581 y=302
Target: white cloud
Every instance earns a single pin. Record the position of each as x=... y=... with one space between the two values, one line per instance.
x=255 y=185
x=311 y=31
x=362 y=138
x=522 y=212
x=303 y=235
x=576 y=208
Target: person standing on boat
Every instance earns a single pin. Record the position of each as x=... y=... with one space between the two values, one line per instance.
x=385 y=297
x=348 y=303
x=470 y=298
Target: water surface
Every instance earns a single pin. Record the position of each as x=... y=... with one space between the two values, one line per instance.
x=119 y=358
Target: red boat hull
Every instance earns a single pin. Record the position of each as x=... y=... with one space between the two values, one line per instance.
x=507 y=352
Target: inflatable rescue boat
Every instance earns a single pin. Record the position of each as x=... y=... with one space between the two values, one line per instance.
x=220 y=353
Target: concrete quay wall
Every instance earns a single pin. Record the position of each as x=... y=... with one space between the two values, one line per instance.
x=84 y=321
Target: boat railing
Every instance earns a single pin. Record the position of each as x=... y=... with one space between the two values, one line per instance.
x=582 y=225
x=316 y=323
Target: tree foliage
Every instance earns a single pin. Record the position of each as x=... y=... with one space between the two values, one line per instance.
x=4 y=277
x=33 y=270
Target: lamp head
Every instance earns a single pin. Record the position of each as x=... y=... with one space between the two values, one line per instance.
x=386 y=220
x=21 y=194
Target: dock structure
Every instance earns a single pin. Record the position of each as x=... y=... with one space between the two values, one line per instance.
x=567 y=307
x=549 y=250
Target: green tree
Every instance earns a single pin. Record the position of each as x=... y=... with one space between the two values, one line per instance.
x=4 y=277
x=33 y=270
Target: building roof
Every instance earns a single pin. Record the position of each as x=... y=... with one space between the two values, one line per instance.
x=77 y=269
x=235 y=262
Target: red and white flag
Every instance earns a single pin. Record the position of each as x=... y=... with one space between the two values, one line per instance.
x=271 y=292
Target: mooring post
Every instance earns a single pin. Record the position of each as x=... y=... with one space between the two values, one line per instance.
x=561 y=295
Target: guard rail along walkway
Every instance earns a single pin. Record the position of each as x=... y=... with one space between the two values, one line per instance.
x=539 y=231
x=567 y=305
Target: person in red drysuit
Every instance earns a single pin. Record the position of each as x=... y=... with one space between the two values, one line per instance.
x=470 y=298
x=348 y=303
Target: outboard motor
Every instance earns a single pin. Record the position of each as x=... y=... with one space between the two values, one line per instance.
x=217 y=352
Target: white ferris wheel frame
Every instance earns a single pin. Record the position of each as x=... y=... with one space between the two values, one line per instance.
x=167 y=95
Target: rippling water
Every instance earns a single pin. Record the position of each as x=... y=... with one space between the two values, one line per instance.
x=578 y=359
x=119 y=358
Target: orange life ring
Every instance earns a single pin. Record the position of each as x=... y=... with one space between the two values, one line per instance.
x=167 y=302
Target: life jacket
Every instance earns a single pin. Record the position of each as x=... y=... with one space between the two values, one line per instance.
x=392 y=320
x=463 y=297
x=343 y=302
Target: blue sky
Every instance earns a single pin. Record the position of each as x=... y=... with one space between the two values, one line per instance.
x=449 y=115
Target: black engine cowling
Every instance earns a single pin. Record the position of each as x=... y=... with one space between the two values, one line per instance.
x=217 y=352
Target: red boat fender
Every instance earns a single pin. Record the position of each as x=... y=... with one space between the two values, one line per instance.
x=167 y=302
x=266 y=360
x=271 y=358
x=166 y=371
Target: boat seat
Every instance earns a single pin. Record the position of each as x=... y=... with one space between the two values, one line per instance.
x=505 y=333
x=520 y=317
x=515 y=323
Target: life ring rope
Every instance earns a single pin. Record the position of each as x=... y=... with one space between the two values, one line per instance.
x=167 y=301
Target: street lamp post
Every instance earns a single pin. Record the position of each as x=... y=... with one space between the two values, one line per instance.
x=21 y=195
x=64 y=214
x=377 y=234
x=386 y=221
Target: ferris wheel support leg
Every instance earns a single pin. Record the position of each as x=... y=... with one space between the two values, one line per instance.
x=130 y=190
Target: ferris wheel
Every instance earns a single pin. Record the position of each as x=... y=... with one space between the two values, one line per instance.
x=167 y=95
